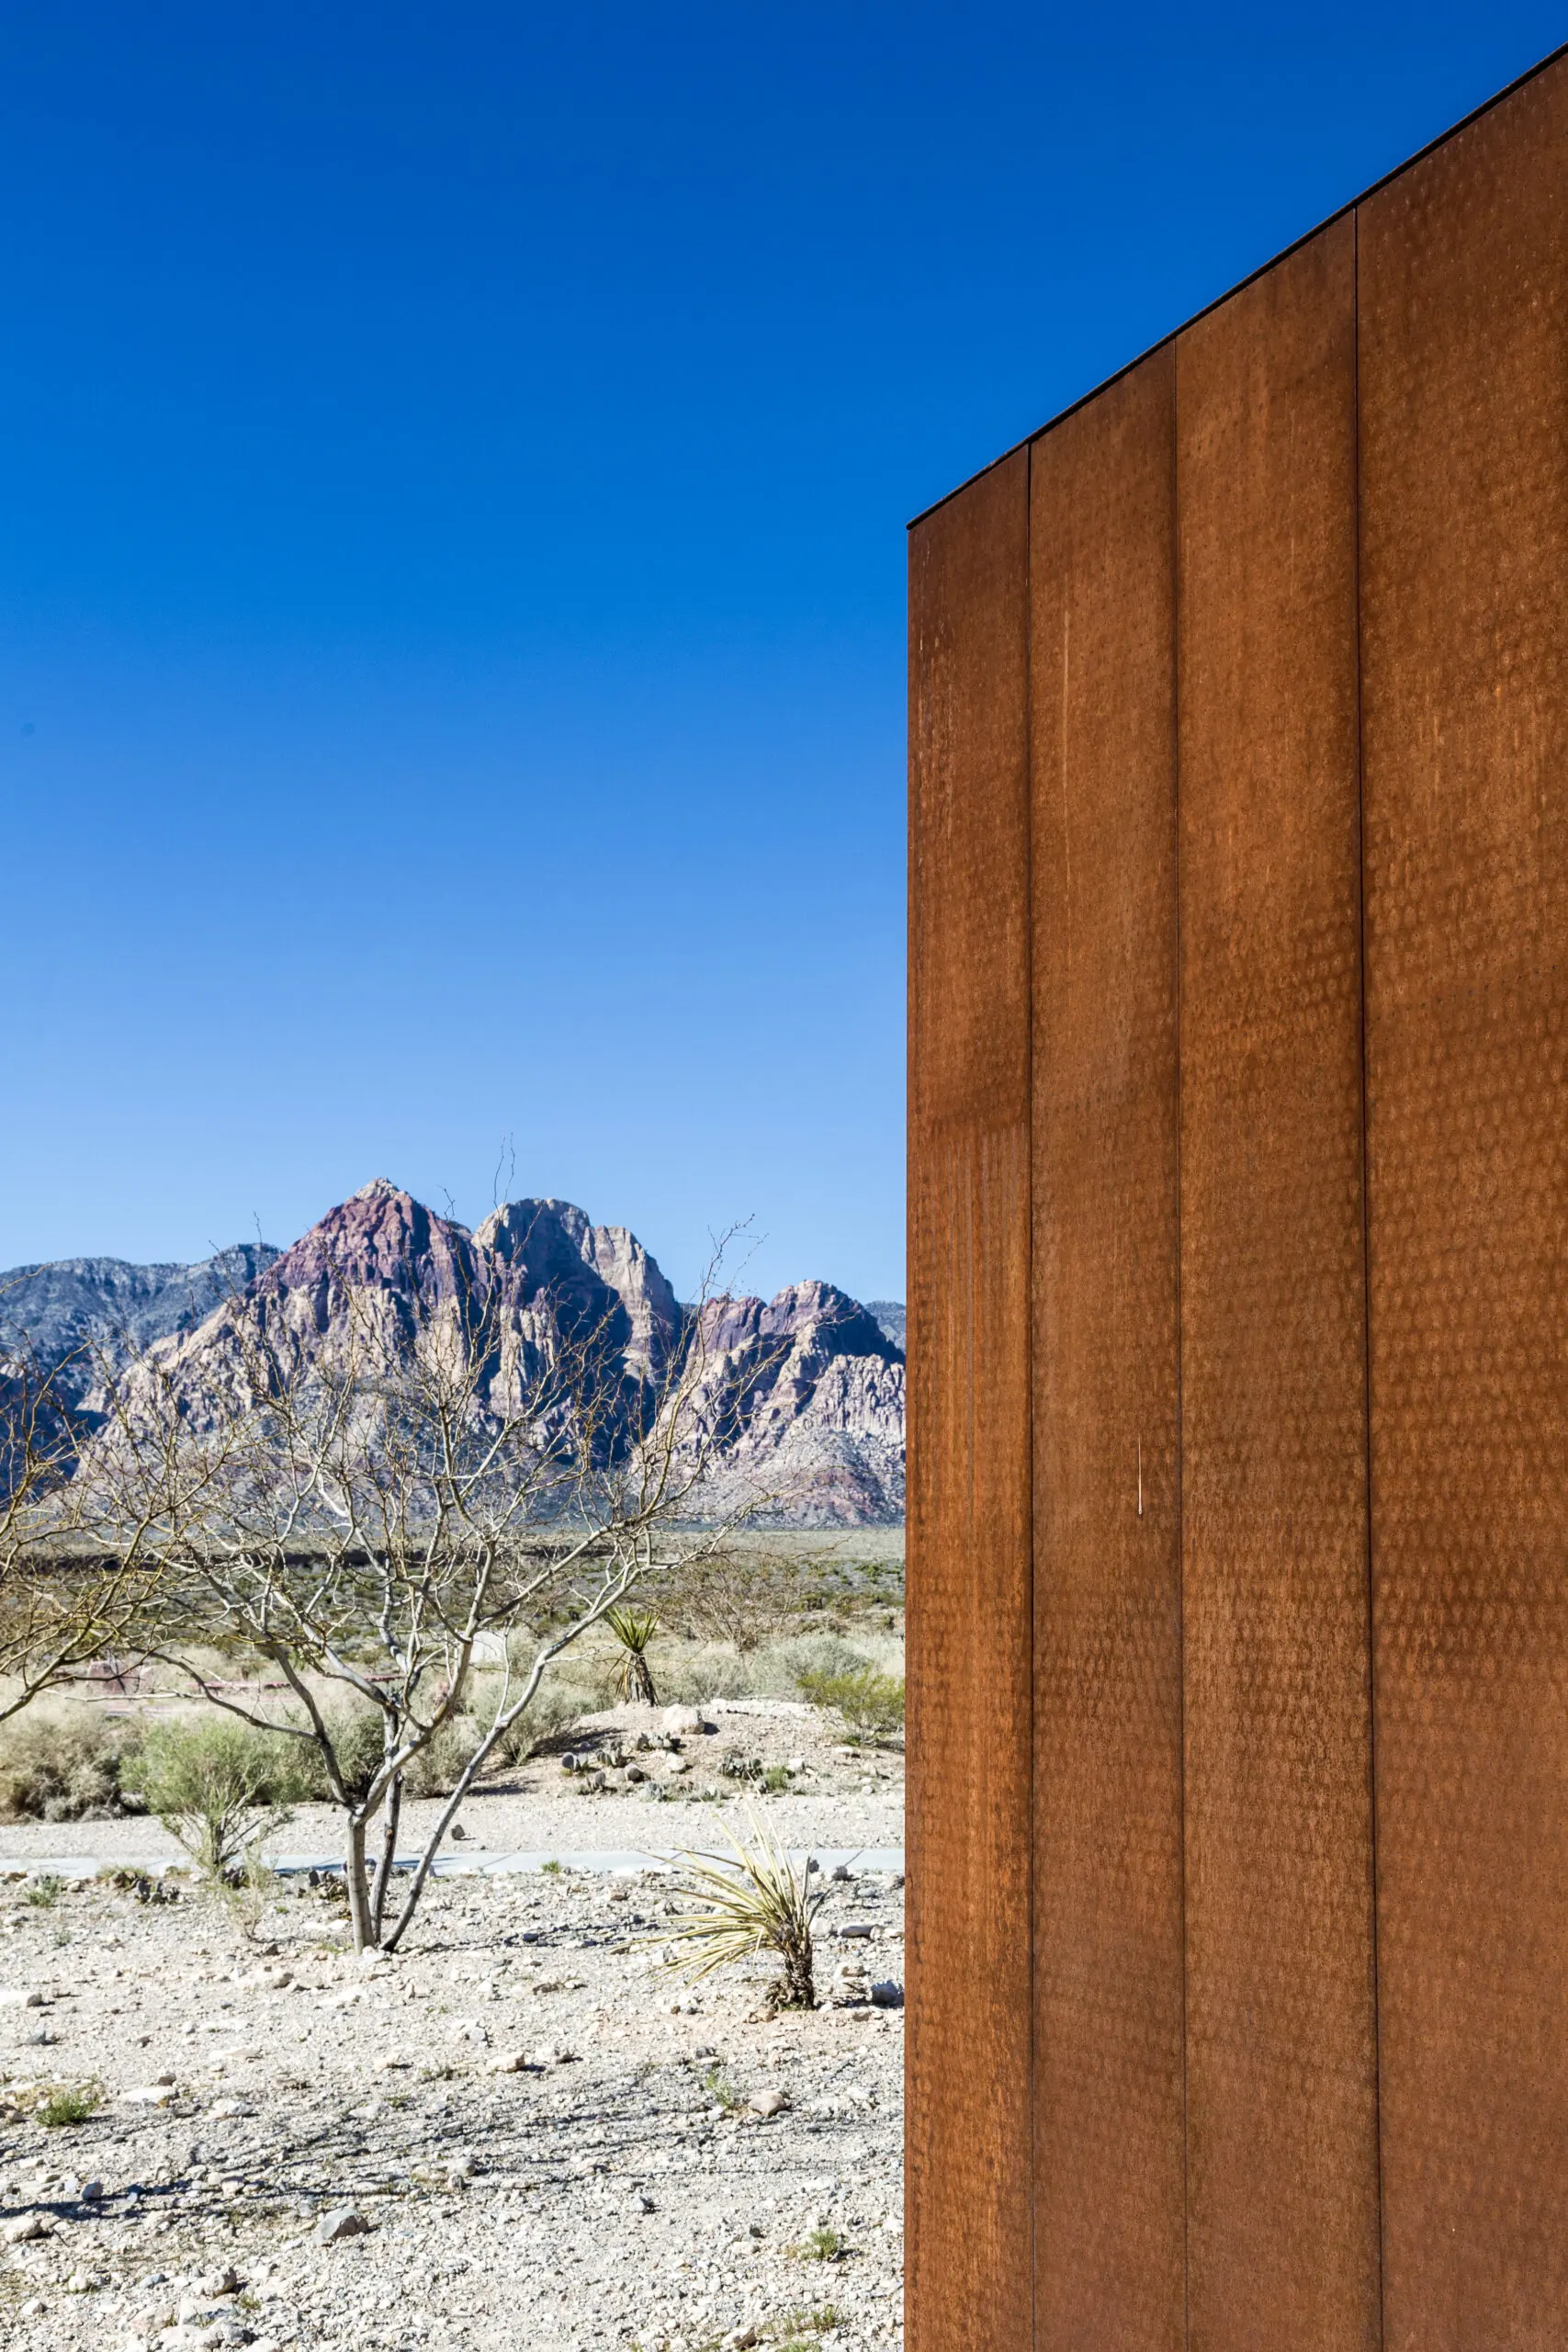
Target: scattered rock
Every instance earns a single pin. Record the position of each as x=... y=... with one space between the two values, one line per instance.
x=772 y=2102
x=344 y=2222
x=683 y=1723
x=25 y=2229
x=888 y=1995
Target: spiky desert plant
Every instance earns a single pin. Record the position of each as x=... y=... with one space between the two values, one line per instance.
x=758 y=1902
x=634 y=1629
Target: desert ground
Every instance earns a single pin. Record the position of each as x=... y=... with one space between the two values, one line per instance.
x=524 y=2129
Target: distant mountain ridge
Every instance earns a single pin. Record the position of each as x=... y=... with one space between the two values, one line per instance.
x=807 y=1387
x=74 y=1311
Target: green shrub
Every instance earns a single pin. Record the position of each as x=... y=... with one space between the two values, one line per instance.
x=870 y=1701
x=783 y=1668
x=61 y=1763
x=71 y=2104
x=44 y=1892
x=217 y=1785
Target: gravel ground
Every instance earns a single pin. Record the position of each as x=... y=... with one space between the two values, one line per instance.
x=658 y=2167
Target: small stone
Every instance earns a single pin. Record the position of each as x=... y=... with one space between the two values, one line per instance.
x=275 y=1979
x=681 y=1722
x=226 y=2281
x=509 y=2062
x=458 y=1831
x=772 y=2102
x=342 y=2222
x=888 y=1995
x=25 y=2229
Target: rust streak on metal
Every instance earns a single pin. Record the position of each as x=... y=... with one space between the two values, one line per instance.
x=1107 y=1983
x=1281 y=2063
x=968 y=2064
x=1464 y=488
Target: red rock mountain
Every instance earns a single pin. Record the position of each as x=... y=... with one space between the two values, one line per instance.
x=801 y=1394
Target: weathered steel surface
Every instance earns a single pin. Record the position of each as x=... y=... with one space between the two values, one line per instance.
x=967 y=2130
x=1464 y=564
x=1281 y=2059
x=1238 y=1961
x=1108 y=1956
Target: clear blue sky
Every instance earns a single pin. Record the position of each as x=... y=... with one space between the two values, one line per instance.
x=453 y=462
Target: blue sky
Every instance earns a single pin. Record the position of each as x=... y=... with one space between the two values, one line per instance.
x=454 y=464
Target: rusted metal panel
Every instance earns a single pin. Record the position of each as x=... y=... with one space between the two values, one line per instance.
x=1464 y=561
x=1282 y=2223
x=1108 y=1937
x=967 y=2127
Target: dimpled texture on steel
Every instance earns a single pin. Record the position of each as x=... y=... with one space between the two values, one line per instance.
x=1108 y=1959
x=967 y=2121
x=1464 y=567
x=1280 y=2052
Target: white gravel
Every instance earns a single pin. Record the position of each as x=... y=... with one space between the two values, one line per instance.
x=621 y=2190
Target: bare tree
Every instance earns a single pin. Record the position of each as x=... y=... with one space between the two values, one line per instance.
x=369 y=1516
x=71 y=1589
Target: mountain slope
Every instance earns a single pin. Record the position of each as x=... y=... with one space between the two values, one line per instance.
x=804 y=1394
x=80 y=1312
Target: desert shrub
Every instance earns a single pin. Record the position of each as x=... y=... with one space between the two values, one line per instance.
x=691 y=1673
x=870 y=1701
x=787 y=1667
x=217 y=1785
x=71 y=2104
x=755 y=1901
x=359 y=1742
x=739 y=1598
x=558 y=1704
x=634 y=1629
x=61 y=1764
x=436 y=1770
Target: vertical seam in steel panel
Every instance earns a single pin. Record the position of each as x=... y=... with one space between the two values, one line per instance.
x=1028 y=1309
x=1180 y=1423
x=1367 y=1260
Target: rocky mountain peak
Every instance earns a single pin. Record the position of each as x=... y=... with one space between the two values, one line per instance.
x=807 y=1387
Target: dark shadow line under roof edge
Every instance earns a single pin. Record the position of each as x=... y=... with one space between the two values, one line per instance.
x=1339 y=213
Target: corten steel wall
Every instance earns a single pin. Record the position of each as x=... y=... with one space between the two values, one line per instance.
x=1238 y=1300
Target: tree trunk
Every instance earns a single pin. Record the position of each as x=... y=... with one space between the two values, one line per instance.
x=389 y=1853
x=359 y=1912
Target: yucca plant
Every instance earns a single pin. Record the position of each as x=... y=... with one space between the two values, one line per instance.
x=757 y=1903
x=634 y=1629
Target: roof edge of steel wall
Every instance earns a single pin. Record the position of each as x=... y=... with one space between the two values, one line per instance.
x=1351 y=205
